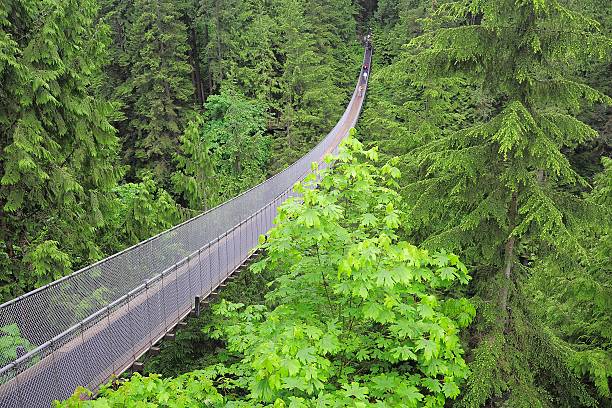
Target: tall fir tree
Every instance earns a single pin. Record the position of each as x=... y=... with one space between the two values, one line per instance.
x=577 y=306
x=116 y=14
x=159 y=92
x=497 y=191
x=57 y=146
x=310 y=101
x=254 y=66
x=219 y=29
x=395 y=23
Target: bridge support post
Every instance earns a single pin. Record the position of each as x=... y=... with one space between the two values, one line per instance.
x=137 y=367
x=197 y=306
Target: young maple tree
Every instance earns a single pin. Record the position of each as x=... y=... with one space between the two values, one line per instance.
x=356 y=317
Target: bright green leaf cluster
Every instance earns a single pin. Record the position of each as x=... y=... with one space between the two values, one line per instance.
x=356 y=316
x=187 y=391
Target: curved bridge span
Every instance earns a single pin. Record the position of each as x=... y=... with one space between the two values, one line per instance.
x=98 y=321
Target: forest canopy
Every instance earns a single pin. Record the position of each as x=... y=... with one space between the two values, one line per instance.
x=456 y=252
x=123 y=118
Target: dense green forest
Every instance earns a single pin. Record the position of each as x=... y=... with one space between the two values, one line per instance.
x=457 y=253
x=121 y=118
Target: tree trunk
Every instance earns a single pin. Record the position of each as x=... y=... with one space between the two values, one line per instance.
x=218 y=39
x=194 y=55
x=208 y=58
x=508 y=258
x=5 y=234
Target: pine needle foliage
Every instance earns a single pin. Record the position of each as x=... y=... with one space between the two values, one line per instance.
x=58 y=147
x=579 y=305
x=496 y=191
x=403 y=112
x=158 y=92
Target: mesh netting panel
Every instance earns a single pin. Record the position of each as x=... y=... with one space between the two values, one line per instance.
x=9 y=397
x=93 y=324
x=139 y=323
x=213 y=256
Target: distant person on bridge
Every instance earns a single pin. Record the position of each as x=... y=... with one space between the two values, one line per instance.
x=365 y=77
x=360 y=91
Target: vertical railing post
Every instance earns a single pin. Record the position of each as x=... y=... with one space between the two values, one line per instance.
x=20 y=391
x=200 y=271
x=210 y=280
x=178 y=298
x=229 y=251
x=131 y=324
x=149 y=321
x=240 y=257
x=260 y=221
x=271 y=214
x=257 y=227
x=218 y=280
x=219 y=243
x=254 y=229
x=110 y=331
x=227 y=265
x=264 y=212
x=197 y=306
x=189 y=277
x=84 y=361
x=54 y=363
x=236 y=245
x=236 y=238
x=163 y=300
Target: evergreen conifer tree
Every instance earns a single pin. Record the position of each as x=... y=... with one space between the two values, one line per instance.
x=254 y=64
x=57 y=146
x=397 y=21
x=310 y=100
x=577 y=306
x=221 y=30
x=497 y=191
x=159 y=91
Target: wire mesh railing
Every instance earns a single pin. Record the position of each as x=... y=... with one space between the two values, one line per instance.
x=96 y=322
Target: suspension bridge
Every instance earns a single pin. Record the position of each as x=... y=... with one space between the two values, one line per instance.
x=97 y=322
